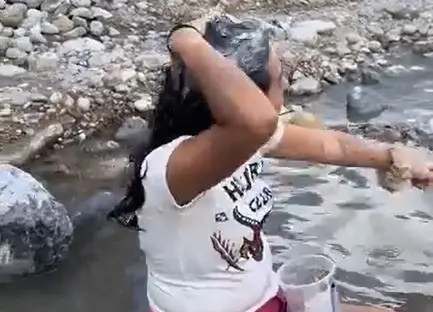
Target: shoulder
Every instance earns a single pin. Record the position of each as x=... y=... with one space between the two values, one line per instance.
x=154 y=171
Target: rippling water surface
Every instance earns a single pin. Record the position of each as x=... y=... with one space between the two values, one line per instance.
x=383 y=243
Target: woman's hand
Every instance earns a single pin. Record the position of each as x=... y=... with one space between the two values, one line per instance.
x=409 y=167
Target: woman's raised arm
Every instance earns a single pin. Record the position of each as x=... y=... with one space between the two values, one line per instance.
x=244 y=120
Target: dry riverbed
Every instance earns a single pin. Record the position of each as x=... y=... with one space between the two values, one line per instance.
x=69 y=68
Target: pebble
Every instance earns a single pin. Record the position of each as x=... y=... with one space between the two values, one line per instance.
x=374 y=46
x=68 y=101
x=96 y=28
x=63 y=23
x=305 y=86
x=13 y=15
x=56 y=98
x=9 y=70
x=83 y=104
x=49 y=29
x=143 y=104
x=23 y=43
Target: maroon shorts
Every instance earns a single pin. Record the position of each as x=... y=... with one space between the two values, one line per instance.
x=275 y=304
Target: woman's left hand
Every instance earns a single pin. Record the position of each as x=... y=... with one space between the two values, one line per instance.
x=410 y=167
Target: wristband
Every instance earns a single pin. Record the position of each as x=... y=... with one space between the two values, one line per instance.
x=176 y=28
x=275 y=139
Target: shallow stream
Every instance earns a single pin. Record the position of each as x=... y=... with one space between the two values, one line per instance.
x=383 y=243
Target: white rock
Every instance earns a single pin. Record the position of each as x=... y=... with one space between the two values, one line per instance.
x=308 y=31
x=81 y=44
x=127 y=74
x=44 y=61
x=23 y=43
x=143 y=104
x=48 y=28
x=353 y=38
x=99 y=12
x=83 y=104
x=36 y=36
x=68 y=101
x=8 y=70
x=374 y=46
x=81 y=3
x=306 y=86
x=96 y=28
x=409 y=30
x=56 y=98
x=33 y=18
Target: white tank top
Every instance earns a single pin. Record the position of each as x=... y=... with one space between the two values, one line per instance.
x=210 y=255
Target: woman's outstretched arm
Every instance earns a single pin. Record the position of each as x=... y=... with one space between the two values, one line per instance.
x=331 y=147
x=244 y=120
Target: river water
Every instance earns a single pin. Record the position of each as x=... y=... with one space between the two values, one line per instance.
x=383 y=243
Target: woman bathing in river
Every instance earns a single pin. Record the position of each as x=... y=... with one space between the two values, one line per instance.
x=197 y=194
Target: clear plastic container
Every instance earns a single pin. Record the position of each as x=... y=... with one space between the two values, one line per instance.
x=306 y=282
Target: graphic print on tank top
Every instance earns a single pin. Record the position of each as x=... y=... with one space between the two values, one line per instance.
x=252 y=200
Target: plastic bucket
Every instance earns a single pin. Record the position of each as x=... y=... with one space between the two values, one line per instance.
x=306 y=282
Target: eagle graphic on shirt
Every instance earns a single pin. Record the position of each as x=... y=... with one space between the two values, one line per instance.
x=252 y=215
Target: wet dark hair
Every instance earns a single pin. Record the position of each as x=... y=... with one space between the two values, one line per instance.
x=182 y=110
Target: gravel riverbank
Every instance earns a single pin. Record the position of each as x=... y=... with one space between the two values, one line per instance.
x=71 y=67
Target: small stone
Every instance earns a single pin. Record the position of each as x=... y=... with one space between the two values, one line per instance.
x=44 y=61
x=4 y=43
x=127 y=74
x=19 y=32
x=81 y=3
x=13 y=15
x=33 y=3
x=375 y=31
x=143 y=104
x=96 y=28
x=2 y=4
x=121 y=88
x=401 y=11
x=9 y=70
x=353 y=38
x=113 y=32
x=56 y=98
x=23 y=44
x=7 y=32
x=306 y=86
x=82 y=12
x=83 y=104
x=36 y=36
x=15 y=54
x=343 y=50
x=63 y=23
x=374 y=46
x=98 y=12
x=79 y=22
x=81 y=44
x=68 y=101
x=409 y=30
x=393 y=35
x=38 y=98
x=49 y=29
x=5 y=112
x=75 y=33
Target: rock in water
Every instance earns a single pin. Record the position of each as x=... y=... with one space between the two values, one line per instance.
x=35 y=229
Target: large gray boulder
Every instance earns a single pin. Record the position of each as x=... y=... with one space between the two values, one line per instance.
x=35 y=229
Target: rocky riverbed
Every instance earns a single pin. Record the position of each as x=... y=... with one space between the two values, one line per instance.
x=72 y=67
